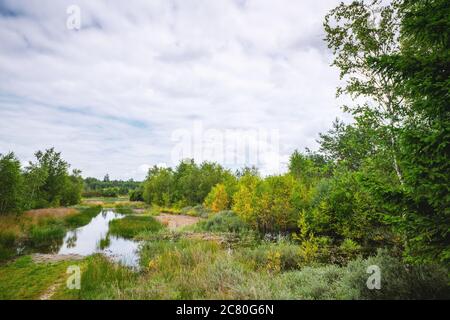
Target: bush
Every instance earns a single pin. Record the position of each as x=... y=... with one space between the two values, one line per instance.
x=196 y=211
x=279 y=256
x=398 y=281
x=225 y=221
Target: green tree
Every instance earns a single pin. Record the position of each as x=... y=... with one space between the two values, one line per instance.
x=73 y=187
x=421 y=73
x=357 y=33
x=11 y=183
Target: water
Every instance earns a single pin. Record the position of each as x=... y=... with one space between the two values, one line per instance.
x=94 y=238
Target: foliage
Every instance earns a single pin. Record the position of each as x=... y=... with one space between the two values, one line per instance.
x=224 y=221
x=11 y=184
x=186 y=185
x=421 y=70
x=94 y=187
x=217 y=199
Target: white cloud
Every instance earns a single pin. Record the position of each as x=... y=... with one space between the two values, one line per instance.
x=110 y=95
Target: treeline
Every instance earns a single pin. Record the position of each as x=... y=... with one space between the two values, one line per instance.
x=43 y=183
x=186 y=185
x=94 y=187
x=380 y=181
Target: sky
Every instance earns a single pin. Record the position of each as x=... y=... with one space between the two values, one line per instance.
x=120 y=86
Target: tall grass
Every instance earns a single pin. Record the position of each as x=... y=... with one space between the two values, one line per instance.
x=46 y=233
x=130 y=226
x=195 y=269
x=83 y=217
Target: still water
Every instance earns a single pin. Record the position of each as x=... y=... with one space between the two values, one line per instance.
x=94 y=238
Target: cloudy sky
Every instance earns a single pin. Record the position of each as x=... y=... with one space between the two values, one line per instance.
x=140 y=77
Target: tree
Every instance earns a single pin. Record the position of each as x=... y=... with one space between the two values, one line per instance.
x=159 y=186
x=217 y=199
x=308 y=167
x=421 y=72
x=358 y=33
x=73 y=186
x=11 y=183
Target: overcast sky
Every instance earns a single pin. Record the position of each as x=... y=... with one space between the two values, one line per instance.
x=114 y=95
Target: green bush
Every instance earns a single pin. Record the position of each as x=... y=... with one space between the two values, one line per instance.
x=279 y=256
x=398 y=280
x=224 y=221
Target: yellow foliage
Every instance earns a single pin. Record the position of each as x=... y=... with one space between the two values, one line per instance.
x=217 y=200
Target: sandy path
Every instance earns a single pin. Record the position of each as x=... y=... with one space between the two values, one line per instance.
x=173 y=221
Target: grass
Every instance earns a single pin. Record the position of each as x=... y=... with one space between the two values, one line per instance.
x=82 y=218
x=46 y=232
x=196 y=269
x=132 y=225
x=24 y=279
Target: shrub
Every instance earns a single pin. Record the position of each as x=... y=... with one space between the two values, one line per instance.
x=196 y=211
x=398 y=280
x=279 y=256
x=225 y=221
x=217 y=199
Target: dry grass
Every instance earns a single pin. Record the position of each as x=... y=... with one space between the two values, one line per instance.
x=12 y=224
x=50 y=213
x=176 y=221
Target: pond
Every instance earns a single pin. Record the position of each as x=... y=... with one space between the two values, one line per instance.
x=94 y=238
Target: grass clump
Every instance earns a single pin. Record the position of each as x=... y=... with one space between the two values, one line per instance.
x=122 y=209
x=83 y=217
x=130 y=226
x=104 y=279
x=46 y=232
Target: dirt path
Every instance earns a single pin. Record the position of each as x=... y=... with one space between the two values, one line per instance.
x=173 y=221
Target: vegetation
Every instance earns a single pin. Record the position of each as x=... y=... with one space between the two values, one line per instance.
x=186 y=185
x=24 y=279
x=83 y=217
x=375 y=193
x=193 y=269
x=94 y=187
x=131 y=225
x=44 y=183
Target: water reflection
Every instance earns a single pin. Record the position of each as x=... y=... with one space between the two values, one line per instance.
x=94 y=238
